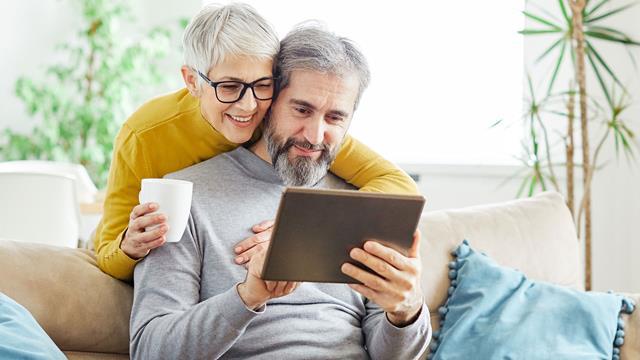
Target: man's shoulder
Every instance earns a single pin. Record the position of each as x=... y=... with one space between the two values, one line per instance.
x=204 y=171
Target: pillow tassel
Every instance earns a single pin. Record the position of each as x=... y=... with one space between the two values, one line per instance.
x=627 y=307
x=459 y=252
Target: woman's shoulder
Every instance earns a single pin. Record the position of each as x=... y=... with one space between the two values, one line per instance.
x=163 y=109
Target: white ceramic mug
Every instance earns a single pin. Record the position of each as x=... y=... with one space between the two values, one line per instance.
x=174 y=200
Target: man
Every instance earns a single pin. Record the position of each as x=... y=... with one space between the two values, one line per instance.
x=192 y=300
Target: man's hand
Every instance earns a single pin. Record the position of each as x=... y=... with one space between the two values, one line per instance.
x=137 y=241
x=254 y=291
x=246 y=248
x=395 y=286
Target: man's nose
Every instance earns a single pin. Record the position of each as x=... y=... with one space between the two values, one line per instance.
x=247 y=102
x=314 y=130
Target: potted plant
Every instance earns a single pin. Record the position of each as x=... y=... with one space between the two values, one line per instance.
x=574 y=34
x=81 y=102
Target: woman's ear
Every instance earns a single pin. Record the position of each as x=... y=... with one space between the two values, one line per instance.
x=190 y=78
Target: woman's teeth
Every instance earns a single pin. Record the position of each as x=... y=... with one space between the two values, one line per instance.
x=240 y=118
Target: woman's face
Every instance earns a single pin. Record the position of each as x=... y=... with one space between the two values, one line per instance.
x=238 y=120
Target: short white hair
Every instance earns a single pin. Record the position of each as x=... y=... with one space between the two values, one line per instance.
x=218 y=32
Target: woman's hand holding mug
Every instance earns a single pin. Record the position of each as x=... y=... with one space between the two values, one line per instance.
x=137 y=242
x=161 y=217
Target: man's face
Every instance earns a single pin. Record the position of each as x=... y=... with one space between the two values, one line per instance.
x=307 y=124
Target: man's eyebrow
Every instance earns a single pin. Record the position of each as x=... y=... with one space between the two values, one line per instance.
x=302 y=103
x=310 y=106
x=339 y=113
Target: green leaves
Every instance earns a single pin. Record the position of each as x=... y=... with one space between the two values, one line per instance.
x=593 y=30
x=595 y=8
x=559 y=30
x=564 y=12
x=592 y=17
x=556 y=68
x=542 y=20
x=537 y=154
x=624 y=137
x=81 y=102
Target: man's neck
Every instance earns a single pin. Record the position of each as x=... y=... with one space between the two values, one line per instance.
x=260 y=149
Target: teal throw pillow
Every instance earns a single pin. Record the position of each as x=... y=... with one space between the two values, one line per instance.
x=493 y=312
x=21 y=337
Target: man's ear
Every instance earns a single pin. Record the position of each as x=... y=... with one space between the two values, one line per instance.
x=190 y=78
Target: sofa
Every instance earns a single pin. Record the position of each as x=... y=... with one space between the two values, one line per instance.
x=86 y=312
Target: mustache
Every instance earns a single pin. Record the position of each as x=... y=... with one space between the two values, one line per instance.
x=305 y=145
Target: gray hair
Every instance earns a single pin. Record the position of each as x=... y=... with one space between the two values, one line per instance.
x=218 y=32
x=309 y=46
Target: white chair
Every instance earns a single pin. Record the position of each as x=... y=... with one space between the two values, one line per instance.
x=85 y=188
x=39 y=208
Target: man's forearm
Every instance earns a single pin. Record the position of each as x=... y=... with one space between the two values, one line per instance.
x=402 y=319
x=387 y=341
x=206 y=330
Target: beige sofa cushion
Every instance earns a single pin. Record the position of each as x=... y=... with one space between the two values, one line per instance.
x=76 y=355
x=535 y=235
x=631 y=348
x=79 y=306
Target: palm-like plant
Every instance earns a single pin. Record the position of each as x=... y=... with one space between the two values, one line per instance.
x=574 y=36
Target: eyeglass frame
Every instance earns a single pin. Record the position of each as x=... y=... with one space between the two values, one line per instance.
x=245 y=86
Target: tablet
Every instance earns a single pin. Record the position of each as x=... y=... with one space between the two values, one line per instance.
x=316 y=228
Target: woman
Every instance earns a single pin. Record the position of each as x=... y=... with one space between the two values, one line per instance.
x=229 y=54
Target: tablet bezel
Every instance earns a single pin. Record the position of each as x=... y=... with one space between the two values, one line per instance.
x=277 y=268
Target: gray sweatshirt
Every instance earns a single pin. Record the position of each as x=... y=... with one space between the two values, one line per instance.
x=186 y=305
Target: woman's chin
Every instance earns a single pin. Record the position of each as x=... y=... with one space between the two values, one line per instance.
x=239 y=136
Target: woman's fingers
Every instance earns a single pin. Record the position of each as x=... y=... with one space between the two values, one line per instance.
x=155 y=243
x=151 y=235
x=137 y=240
x=149 y=220
x=142 y=209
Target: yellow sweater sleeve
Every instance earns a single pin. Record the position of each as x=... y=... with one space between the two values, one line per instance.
x=128 y=167
x=362 y=167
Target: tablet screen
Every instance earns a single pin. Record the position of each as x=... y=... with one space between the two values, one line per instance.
x=316 y=228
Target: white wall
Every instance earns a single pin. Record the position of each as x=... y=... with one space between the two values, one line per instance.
x=455 y=185
x=434 y=70
x=616 y=200
x=30 y=30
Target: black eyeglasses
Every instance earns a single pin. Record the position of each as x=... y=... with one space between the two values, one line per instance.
x=231 y=91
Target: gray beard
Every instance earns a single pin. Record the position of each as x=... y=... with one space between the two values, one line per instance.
x=301 y=171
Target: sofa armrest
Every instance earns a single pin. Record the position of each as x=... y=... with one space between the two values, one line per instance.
x=80 y=307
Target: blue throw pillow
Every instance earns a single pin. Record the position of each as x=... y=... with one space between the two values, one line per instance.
x=493 y=312
x=21 y=337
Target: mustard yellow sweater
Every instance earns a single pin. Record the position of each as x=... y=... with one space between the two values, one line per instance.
x=169 y=133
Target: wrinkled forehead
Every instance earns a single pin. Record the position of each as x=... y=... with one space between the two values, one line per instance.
x=327 y=91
